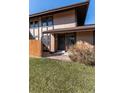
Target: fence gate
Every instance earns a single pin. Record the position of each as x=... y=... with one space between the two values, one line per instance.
x=35 y=48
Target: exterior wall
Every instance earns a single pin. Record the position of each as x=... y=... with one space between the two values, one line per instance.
x=64 y=19
x=61 y=20
x=87 y=36
x=36 y=31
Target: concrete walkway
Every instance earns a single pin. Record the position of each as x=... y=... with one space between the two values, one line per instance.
x=60 y=57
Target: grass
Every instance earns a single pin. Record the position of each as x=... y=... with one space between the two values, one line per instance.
x=52 y=76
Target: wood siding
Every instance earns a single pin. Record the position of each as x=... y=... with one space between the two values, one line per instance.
x=87 y=36
x=64 y=19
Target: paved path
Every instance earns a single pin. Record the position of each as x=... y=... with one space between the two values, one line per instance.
x=60 y=57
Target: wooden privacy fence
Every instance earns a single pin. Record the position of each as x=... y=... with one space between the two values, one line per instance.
x=35 y=48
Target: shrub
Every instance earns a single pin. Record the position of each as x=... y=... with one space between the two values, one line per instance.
x=82 y=52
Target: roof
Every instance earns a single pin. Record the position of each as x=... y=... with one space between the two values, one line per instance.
x=90 y=27
x=61 y=8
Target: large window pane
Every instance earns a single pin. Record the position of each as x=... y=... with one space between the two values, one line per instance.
x=36 y=24
x=44 y=22
x=47 y=23
x=70 y=39
x=50 y=21
x=31 y=25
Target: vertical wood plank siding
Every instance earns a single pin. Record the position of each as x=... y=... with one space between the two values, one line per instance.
x=64 y=19
x=35 y=48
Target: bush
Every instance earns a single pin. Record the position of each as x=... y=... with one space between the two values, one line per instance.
x=82 y=52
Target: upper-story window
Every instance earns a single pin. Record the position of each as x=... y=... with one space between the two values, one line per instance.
x=44 y=22
x=36 y=24
x=48 y=21
x=31 y=25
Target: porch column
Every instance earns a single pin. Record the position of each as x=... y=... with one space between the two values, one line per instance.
x=40 y=27
x=52 y=43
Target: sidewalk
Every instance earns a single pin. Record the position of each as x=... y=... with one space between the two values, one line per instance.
x=60 y=57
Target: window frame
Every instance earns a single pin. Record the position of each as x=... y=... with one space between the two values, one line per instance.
x=31 y=25
x=50 y=19
x=47 y=20
x=36 y=24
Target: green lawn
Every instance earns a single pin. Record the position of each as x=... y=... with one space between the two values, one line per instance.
x=52 y=76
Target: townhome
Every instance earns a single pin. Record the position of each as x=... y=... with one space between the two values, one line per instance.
x=62 y=27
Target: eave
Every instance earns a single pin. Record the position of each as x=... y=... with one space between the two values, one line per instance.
x=73 y=29
x=60 y=9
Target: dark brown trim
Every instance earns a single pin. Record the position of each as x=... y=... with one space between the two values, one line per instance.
x=75 y=16
x=53 y=21
x=60 y=9
x=94 y=38
x=65 y=40
x=34 y=29
x=41 y=25
x=75 y=36
x=38 y=30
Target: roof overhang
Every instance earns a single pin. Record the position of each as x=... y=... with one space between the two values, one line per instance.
x=73 y=29
x=86 y=3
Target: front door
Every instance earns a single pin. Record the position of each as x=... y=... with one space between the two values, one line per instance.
x=61 y=42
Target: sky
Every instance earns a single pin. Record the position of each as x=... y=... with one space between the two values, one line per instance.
x=36 y=6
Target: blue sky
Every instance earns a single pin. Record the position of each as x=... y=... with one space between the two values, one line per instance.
x=36 y=6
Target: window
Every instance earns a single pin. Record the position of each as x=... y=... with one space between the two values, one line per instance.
x=31 y=25
x=48 y=21
x=70 y=39
x=44 y=23
x=36 y=24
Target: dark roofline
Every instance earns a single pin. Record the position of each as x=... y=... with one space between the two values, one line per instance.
x=60 y=9
x=90 y=27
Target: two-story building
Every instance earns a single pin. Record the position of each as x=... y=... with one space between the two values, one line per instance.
x=62 y=27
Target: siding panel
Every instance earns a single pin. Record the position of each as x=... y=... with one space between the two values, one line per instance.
x=85 y=36
x=64 y=19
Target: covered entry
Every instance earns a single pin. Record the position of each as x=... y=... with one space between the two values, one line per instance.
x=64 y=41
x=61 y=42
